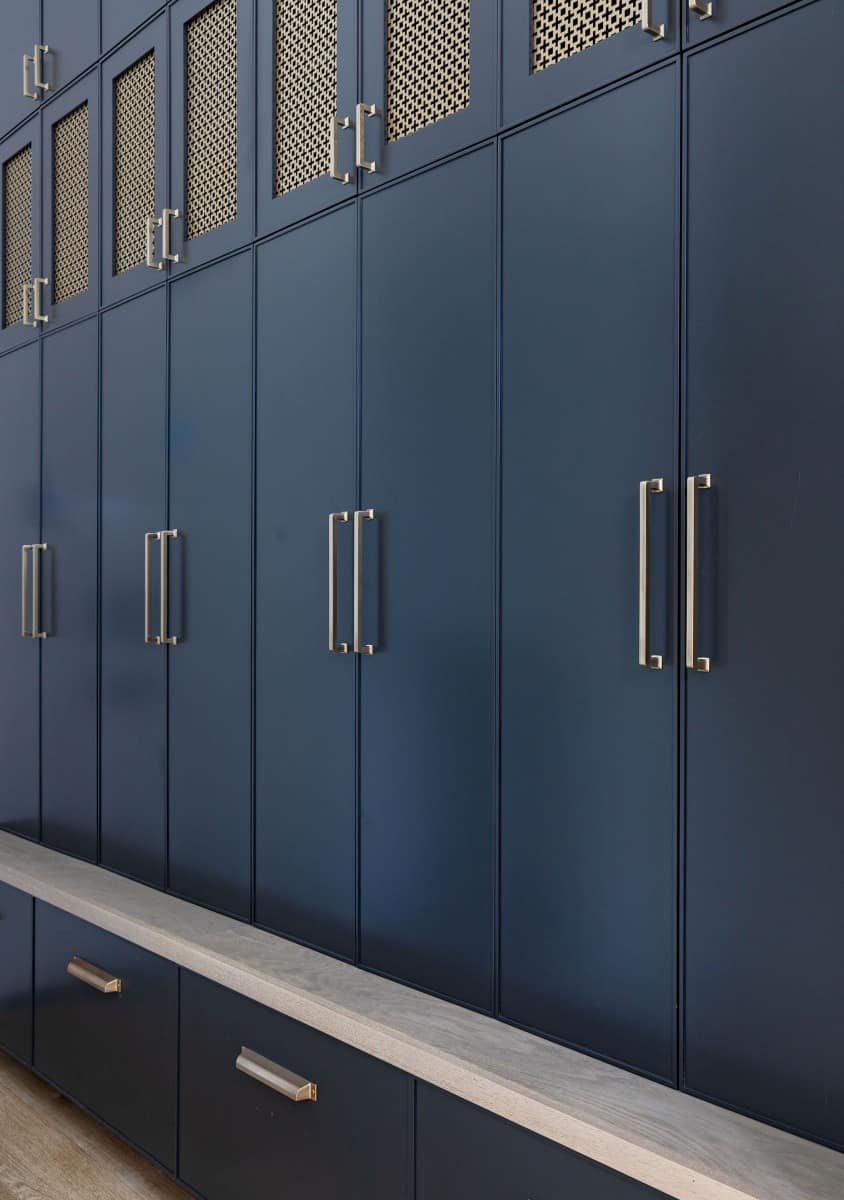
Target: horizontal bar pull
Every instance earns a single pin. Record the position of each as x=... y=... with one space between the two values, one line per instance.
x=360 y=647
x=657 y=32
x=94 y=977
x=271 y=1075
x=35 y=630
x=694 y=484
x=703 y=10
x=647 y=488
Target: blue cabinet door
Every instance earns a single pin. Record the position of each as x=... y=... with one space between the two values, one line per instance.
x=307 y=81
x=20 y=523
x=428 y=467
x=20 y=244
x=306 y=817
x=20 y=25
x=16 y=977
x=765 y=360
x=135 y=107
x=431 y=71
x=589 y=828
x=71 y=29
x=555 y=50
x=120 y=17
x=69 y=593
x=707 y=18
x=133 y=672
x=212 y=129
x=210 y=718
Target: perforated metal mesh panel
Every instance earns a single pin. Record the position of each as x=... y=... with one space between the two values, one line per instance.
x=428 y=63
x=562 y=28
x=211 y=122
x=17 y=233
x=305 y=89
x=70 y=205
x=134 y=161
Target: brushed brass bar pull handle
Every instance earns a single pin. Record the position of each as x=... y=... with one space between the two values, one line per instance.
x=35 y=631
x=360 y=647
x=362 y=111
x=337 y=123
x=271 y=1075
x=647 y=488
x=167 y=215
x=703 y=10
x=657 y=32
x=333 y=645
x=153 y=223
x=31 y=95
x=694 y=484
x=95 y=977
x=37 y=313
x=149 y=637
x=164 y=636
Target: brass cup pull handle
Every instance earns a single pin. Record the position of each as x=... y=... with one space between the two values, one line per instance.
x=656 y=31
x=149 y=637
x=30 y=94
x=333 y=645
x=152 y=223
x=362 y=111
x=164 y=537
x=94 y=977
x=647 y=488
x=703 y=10
x=167 y=215
x=35 y=630
x=694 y=484
x=337 y=123
x=271 y=1075
x=360 y=647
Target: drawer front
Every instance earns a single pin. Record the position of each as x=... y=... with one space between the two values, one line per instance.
x=16 y=972
x=240 y=1138
x=462 y=1151
x=113 y=1052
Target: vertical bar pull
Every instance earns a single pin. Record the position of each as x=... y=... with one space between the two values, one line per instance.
x=167 y=214
x=362 y=111
x=37 y=313
x=703 y=10
x=35 y=630
x=647 y=488
x=657 y=32
x=27 y=59
x=333 y=645
x=37 y=63
x=164 y=619
x=149 y=637
x=336 y=124
x=366 y=514
x=28 y=302
x=694 y=484
x=153 y=223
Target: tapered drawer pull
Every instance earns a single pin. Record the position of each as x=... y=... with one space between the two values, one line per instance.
x=647 y=488
x=262 y=1070
x=95 y=977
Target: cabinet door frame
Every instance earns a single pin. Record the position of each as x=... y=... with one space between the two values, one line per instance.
x=152 y=38
x=738 y=12
x=28 y=26
x=28 y=134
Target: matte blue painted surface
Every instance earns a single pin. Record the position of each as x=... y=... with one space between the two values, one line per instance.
x=20 y=25
x=16 y=977
x=71 y=28
x=28 y=135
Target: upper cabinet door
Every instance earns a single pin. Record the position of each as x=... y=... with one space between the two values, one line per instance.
x=71 y=36
x=307 y=71
x=120 y=17
x=556 y=50
x=431 y=71
x=212 y=143
x=20 y=222
x=134 y=162
x=70 y=213
x=19 y=32
x=705 y=19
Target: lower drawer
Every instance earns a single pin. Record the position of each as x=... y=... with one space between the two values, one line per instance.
x=16 y=972
x=241 y=1138
x=113 y=1051
x=462 y=1151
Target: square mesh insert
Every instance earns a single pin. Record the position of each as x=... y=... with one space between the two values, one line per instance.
x=70 y=205
x=17 y=233
x=305 y=89
x=211 y=121
x=134 y=161
x=562 y=28
x=428 y=63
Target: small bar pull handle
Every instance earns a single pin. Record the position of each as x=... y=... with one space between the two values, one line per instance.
x=149 y=636
x=152 y=223
x=647 y=488
x=38 y=62
x=167 y=214
x=35 y=631
x=703 y=10
x=365 y=514
x=333 y=645
x=37 y=313
x=363 y=111
x=337 y=123
x=657 y=32
x=94 y=977
x=164 y=611
x=694 y=484
x=271 y=1075
x=28 y=305
x=30 y=95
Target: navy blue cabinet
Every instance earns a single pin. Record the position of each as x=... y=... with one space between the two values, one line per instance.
x=764 y=974
x=133 y=670
x=71 y=30
x=120 y=17
x=427 y=563
x=16 y=977
x=20 y=243
x=20 y=529
x=707 y=18
x=590 y=327
x=20 y=29
x=69 y=590
x=210 y=561
x=306 y=816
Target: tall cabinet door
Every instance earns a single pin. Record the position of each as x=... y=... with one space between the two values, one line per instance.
x=427 y=569
x=71 y=29
x=765 y=361
x=306 y=819
x=20 y=524
x=588 y=829
x=20 y=25
x=210 y=719
x=70 y=618
x=307 y=72
x=20 y=240
x=133 y=662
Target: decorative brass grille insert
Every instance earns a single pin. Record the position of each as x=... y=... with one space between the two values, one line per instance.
x=70 y=204
x=211 y=122
x=17 y=233
x=428 y=63
x=305 y=89
x=562 y=28
x=134 y=161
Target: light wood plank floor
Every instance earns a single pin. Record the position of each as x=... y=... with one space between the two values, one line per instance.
x=51 y=1150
